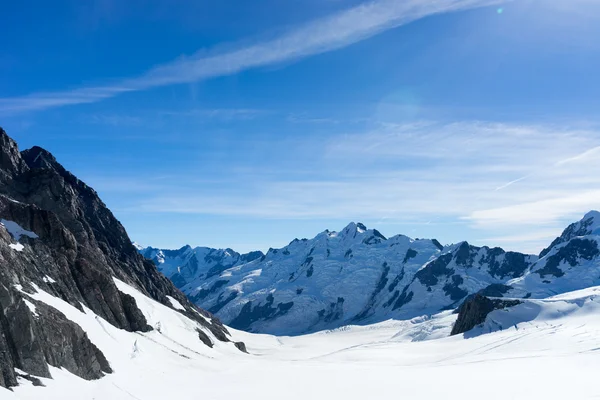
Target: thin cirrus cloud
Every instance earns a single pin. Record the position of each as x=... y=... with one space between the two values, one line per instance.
x=319 y=36
x=471 y=171
x=462 y=177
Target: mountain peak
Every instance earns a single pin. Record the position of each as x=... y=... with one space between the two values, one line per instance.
x=354 y=227
x=38 y=157
x=588 y=225
x=593 y=214
x=10 y=159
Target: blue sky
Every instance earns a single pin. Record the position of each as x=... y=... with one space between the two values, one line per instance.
x=247 y=124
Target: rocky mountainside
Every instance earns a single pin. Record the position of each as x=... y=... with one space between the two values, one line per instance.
x=355 y=276
x=58 y=238
x=571 y=262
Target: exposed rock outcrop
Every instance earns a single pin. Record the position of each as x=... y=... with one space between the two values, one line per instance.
x=57 y=235
x=474 y=311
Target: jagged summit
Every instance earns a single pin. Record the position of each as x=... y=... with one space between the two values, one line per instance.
x=38 y=157
x=59 y=242
x=354 y=228
x=593 y=219
x=588 y=225
x=356 y=275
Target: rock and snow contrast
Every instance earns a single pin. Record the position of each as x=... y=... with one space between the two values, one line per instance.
x=509 y=356
x=571 y=262
x=84 y=316
x=357 y=276
x=66 y=263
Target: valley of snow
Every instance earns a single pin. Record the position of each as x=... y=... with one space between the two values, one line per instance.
x=540 y=349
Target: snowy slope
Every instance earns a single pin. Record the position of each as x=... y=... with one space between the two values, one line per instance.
x=58 y=240
x=188 y=264
x=512 y=355
x=136 y=358
x=571 y=262
x=337 y=278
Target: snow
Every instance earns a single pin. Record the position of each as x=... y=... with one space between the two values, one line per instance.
x=255 y=273
x=16 y=231
x=10 y=199
x=541 y=349
x=312 y=274
x=176 y=305
x=594 y=219
x=31 y=307
x=16 y=246
x=585 y=273
x=48 y=279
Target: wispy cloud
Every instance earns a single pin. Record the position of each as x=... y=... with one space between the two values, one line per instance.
x=225 y=114
x=114 y=120
x=531 y=241
x=541 y=212
x=410 y=174
x=512 y=182
x=580 y=157
x=319 y=36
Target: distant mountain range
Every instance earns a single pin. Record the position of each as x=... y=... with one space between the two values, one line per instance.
x=358 y=276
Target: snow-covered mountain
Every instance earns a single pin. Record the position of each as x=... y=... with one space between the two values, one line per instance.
x=74 y=292
x=337 y=278
x=571 y=262
x=83 y=316
x=186 y=265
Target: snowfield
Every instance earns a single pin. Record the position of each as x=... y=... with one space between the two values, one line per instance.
x=540 y=349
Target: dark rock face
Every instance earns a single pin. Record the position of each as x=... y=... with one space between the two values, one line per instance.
x=204 y=338
x=474 y=311
x=453 y=290
x=437 y=244
x=465 y=255
x=581 y=228
x=334 y=312
x=32 y=341
x=266 y=311
x=434 y=270
x=573 y=251
x=495 y=290
x=205 y=292
x=222 y=301
x=241 y=346
x=404 y=298
x=410 y=253
x=77 y=249
x=381 y=283
x=512 y=266
x=133 y=314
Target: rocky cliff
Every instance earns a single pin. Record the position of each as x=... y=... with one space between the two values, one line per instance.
x=57 y=236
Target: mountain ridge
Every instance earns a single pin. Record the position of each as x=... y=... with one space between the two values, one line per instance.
x=57 y=238
x=252 y=296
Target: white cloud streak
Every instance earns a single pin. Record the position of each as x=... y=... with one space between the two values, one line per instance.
x=323 y=35
x=411 y=174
